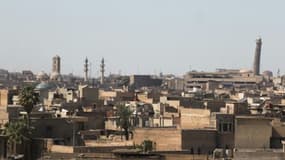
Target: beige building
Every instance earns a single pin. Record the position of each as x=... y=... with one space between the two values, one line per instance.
x=235 y=108
x=194 y=118
x=200 y=141
x=214 y=80
x=115 y=95
x=252 y=132
x=3 y=98
x=88 y=94
x=165 y=139
x=171 y=102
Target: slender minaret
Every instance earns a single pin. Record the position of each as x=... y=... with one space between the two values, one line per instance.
x=256 y=64
x=86 y=70
x=102 y=66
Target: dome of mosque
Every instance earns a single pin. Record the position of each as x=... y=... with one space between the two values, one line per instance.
x=45 y=86
x=268 y=73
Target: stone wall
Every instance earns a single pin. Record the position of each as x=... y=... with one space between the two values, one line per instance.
x=165 y=139
x=194 y=118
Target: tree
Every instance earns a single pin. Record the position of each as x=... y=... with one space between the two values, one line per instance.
x=28 y=98
x=123 y=119
x=17 y=132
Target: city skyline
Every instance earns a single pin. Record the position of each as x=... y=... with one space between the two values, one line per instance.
x=143 y=37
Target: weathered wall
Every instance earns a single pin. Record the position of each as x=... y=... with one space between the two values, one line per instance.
x=194 y=118
x=165 y=122
x=105 y=95
x=89 y=94
x=252 y=133
x=278 y=134
x=62 y=149
x=203 y=141
x=58 y=128
x=96 y=119
x=259 y=155
x=225 y=139
x=214 y=105
x=166 y=139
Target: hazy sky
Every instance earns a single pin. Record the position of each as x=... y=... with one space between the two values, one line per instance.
x=146 y=36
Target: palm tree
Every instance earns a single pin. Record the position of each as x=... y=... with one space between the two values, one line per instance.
x=17 y=132
x=123 y=121
x=28 y=98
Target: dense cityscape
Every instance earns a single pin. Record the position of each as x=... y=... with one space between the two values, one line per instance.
x=226 y=114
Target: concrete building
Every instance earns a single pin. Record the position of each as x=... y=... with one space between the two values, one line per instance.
x=28 y=75
x=88 y=94
x=224 y=124
x=4 y=75
x=194 y=118
x=115 y=95
x=62 y=130
x=236 y=108
x=199 y=141
x=220 y=80
x=252 y=132
x=138 y=81
x=175 y=84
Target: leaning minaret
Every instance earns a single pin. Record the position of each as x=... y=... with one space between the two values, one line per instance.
x=102 y=66
x=86 y=70
x=256 y=64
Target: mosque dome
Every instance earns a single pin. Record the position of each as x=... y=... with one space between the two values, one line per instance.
x=267 y=73
x=45 y=86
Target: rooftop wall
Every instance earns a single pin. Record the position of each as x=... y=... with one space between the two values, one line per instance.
x=252 y=133
x=165 y=139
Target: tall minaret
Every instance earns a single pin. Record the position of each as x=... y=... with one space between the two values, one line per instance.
x=55 y=74
x=56 y=64
x=256 y=63
x=102 y=66
x=86 y=70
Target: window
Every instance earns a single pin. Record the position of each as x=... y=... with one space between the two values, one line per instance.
x=230 y=127
x=225 y=127
x=220 y=127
